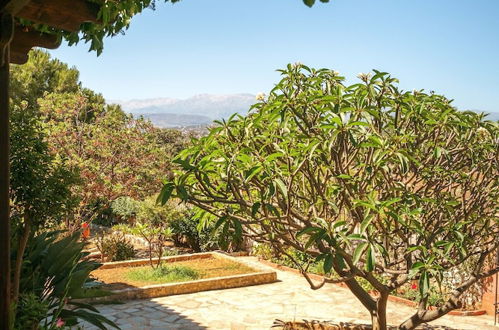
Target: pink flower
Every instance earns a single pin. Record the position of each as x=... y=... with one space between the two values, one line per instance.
x=60 y=323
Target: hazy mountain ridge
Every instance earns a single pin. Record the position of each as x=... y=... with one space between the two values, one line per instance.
x=199 y=110
x=175 y=120
x=213 y=106
x=493 y=116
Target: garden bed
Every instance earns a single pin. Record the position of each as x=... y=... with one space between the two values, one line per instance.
x=136 y=279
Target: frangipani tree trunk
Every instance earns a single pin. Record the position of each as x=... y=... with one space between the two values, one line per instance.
x=376 y=183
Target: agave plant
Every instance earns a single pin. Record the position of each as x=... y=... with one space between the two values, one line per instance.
x=55 y=275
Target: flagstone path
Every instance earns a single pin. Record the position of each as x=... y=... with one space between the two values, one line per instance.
x=256 y=308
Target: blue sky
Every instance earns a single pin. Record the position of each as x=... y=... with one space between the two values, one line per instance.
x=235 y=46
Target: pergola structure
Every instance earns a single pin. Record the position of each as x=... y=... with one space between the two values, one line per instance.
x=15 y=43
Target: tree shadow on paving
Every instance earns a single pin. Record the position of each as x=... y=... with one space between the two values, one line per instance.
x=330 y=325
x=146 y=314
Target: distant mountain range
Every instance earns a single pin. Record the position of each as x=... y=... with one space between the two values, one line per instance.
x=493 y=116
x=199 y=110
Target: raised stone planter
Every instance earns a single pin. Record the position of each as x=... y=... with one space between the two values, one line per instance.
x=261 y=276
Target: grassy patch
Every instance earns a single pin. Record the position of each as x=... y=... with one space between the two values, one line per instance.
x=163 y=274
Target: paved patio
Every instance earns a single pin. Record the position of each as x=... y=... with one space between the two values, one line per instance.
x=257 y=307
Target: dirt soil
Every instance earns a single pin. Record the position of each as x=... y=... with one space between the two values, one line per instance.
x=115 y=279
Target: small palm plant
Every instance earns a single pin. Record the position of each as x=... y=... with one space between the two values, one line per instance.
x=55 y=275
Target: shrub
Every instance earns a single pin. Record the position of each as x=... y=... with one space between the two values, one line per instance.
x=115 y=247
x=126 y=208
x=33 y=310
x=155 y=235
x=149 y=211
x=187 y=231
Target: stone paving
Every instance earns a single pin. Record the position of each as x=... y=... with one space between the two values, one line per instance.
x=256 y=307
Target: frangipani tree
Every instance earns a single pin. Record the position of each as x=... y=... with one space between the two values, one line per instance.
x=380 y=184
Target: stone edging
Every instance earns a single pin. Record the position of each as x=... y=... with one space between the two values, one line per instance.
x=141 y=262
x=390 y=297
x=261 y=276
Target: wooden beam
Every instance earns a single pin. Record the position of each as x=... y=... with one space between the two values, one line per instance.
x=26 y=38
x=18 y=58
x=12 y=6
x=6 y=32
x=62 y=14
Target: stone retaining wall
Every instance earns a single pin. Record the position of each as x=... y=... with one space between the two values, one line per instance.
x=142 y=262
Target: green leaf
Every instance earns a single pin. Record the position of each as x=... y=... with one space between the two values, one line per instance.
x=184 y=164
x=357 y=253
x=307 y=230
x=338 y=258
x=415 y=268
x=282 y=187
x=404 y=164
x=328 y=263
x=274 y=156
x=315 y=237
x=309 y=3
x=165 y=193
x=238 y=229
x=371 y=259
x=219 y=222
x=437 y=152
x=356 y=237
x=358 y=123
x=424 y=284
x=255 y=208
x=252 y=172
x=367 y=221
x=182 y=193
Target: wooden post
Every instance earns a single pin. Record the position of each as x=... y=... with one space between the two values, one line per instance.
x=496 y=294
x=6 y=31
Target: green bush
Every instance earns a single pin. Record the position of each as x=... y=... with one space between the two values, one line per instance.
x=186 y=233
x=115 y=247
x=33 y=310
x=100 y=213
x=157 y=215
x=125 y=208
x=155 y=235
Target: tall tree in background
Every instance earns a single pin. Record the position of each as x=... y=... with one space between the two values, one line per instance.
x=40 y=185
x=114 y=153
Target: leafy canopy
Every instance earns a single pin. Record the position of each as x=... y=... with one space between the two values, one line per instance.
x=378 y=183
